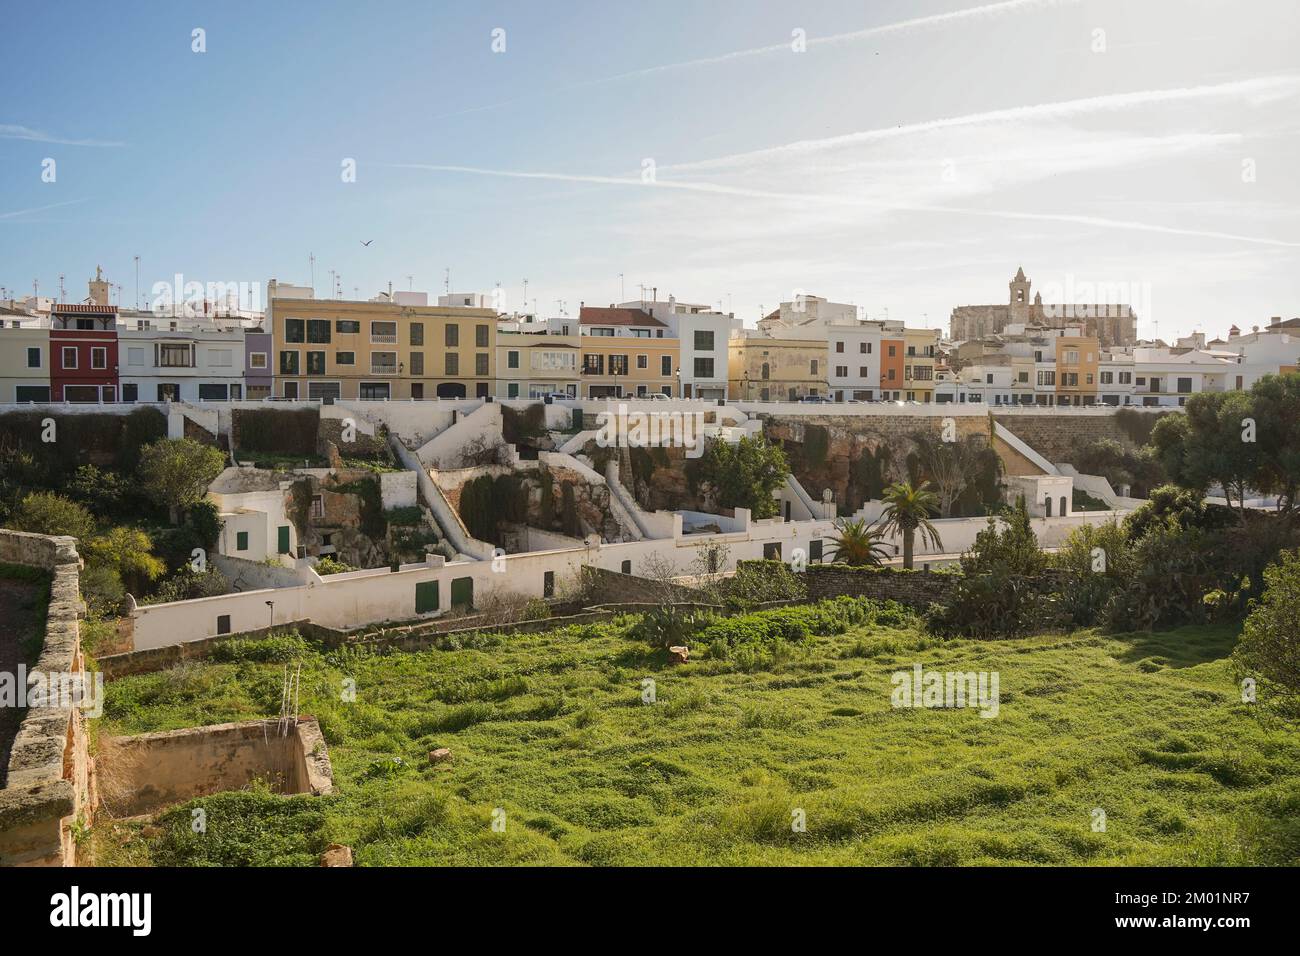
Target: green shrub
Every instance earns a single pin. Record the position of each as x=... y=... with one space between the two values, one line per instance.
x=666 y=626
x=406 y=516
x=272 y=649
x=794 y=625
x=757 y=582
x=330 y=565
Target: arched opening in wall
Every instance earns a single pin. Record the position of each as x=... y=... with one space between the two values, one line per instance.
x=1047 y=502
x=1064 y=509
x=451 y=390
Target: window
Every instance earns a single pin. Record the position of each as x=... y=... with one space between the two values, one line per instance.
x=241 y=540
x=1107 y=378
x=383 y=363
x=891 y=376
x=703 y=341
x=291 y=391
x=864 y=348
x=69 y=357
x=481 y=389
x=345 y=358
x=34 y=357
x=618 y=365
x=1070 y=379
x=512 y=359
x=593 y=364
x=812 y=367
x=220 y=358
x=315 y=363
x=211 y=392
x=426 y=597
x=288 y=363
x=1022 y=377
x=130 y=393
x=384 y=333
x=1184 y=386
x=480 y=363
x=665 y=365
x=327 y=392
x=451 y=336
x=512 y=390
x=31 y=393
x=282 y=539
x=375 y=391
x=347 y=327
x=893 y=350
x=626 y=567
x=417 y=333
x=548 y=584
x=841 y=371
x=317 y=506
x=481 y=334
x=257 y=360
x=839 y=347
x=864 y=372
x=643 y=361
x=772 y=551
x=451 y=362
x=294 y=330
x=815 y=549
x=704 y=368
x=1071 y=357
x=1046 y=378
x=1125 y=378
x=318 y=331
x=417 y=391
x=417 y=363
x=175 y=356
x=223 y=623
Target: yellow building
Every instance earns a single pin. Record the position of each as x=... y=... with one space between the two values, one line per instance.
x=1077 y=358
x=534 y=365
x=763 y=369
x=622 y=366
x=380 y=350
x=919 y=349
x=24 y=364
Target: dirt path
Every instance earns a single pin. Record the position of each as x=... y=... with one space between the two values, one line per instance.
x=18 y=615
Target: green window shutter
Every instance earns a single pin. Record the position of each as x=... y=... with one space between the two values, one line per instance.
x=284 y=539
x=241 y=541
x=426 y=597
x=462 y=593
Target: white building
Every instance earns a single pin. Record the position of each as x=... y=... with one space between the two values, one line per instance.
x=703 y=334
x=180 y=360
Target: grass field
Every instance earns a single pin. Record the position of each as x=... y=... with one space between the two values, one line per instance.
x=551 y=728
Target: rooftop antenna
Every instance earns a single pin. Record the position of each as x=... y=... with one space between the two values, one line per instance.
x=311 y=257
x=410 y=283
x=60 y=286
x=622 y=296
x=525 y=300
x=446 y=282
x=137 y=283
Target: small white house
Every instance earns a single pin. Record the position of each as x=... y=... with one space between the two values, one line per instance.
x=1046 y=496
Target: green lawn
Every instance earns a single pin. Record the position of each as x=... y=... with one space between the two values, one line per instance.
x=551 y=728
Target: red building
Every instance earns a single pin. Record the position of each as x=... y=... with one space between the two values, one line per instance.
x=83 y=353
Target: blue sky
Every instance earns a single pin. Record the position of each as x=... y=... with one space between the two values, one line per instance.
x=909 y=159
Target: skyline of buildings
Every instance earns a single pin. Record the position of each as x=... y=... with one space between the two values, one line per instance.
x=396 y=346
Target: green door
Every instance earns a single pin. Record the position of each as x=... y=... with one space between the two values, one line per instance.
x=284 y=539
x=426 y=597
x=462 y=593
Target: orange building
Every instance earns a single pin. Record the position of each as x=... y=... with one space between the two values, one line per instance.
x=892 y=361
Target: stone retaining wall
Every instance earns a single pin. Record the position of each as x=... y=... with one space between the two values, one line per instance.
x=916 y=589
x=49 y=784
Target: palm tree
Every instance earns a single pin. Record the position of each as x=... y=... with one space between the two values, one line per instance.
x=908 y=510
x=858 y=544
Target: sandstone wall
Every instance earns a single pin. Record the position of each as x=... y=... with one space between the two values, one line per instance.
x=49 y=780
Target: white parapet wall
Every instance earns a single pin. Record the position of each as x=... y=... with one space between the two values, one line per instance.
x=372 y=596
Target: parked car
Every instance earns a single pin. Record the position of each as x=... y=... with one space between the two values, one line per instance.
x=816 y=400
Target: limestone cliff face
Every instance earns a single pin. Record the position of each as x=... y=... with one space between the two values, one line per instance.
x=854 y=457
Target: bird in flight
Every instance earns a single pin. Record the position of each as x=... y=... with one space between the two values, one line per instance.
x=366 y=242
